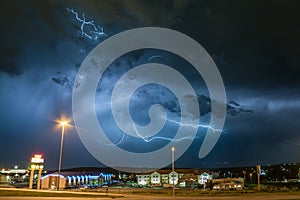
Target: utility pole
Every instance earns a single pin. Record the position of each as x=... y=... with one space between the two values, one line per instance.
x=258 y=176
x=173 y=175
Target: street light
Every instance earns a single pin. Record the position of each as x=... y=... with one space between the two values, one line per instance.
x=63 y=123
x=258 y=176
x=173 y=176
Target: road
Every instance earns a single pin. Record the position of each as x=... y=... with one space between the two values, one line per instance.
x=102 y=196
x=140 y=197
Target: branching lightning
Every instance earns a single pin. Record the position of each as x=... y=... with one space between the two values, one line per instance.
x=117 y=143
x=146 y=139
x=162 y=138
x=197 y=126
x=174 y=139
x=154 y=57
x=88 y=28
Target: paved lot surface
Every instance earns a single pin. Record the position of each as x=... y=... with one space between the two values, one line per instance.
x=102 y=196
x=136 y=197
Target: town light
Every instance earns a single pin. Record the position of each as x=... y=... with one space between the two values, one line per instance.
x=173 y=175
x=63 y=123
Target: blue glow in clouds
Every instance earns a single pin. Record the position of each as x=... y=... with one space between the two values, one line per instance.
x=93 y=135
x=88 y=28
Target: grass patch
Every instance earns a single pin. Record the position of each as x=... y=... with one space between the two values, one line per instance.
x=195 y=193
x=120 y=193
x=16 y=193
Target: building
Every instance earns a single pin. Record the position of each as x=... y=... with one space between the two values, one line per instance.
x=143 y=179
x=14 y=175
x=227 y=184
x=4 y=178
x=74 y=179
x=203 y=178
x=188 y=178
x=157 y=178
x=166 y=178
x=173 y=178
x=50 y=181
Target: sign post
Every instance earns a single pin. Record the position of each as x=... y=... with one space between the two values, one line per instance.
x=37 y=163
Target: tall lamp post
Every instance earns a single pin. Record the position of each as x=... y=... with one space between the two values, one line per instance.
x=63 y=124
x=258 y=176
x=173 y=176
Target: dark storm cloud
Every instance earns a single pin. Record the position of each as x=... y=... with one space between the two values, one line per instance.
x=34 y=24
x=258 y=40
x=63 y=80
x=134 y=12
x=233 y=108
x=266 y=32
x=255 y=45
x=22 y=29
x=266 y=136
x=7 y=63
x=271 y=128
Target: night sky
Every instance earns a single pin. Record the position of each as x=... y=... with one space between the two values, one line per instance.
x=255 y=45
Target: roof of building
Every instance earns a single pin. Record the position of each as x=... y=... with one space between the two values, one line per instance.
x=79 y=173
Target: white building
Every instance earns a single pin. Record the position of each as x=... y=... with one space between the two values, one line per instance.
x=143 y=179
x=160 y=178
x=203 y=178
x=155 y=178
x=173 y=178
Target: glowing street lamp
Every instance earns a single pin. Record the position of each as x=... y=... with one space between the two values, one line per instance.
x=63 y=123
x=173 y=174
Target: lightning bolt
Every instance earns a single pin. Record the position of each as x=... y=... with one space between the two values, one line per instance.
x=146 y=139
x=88 y=28
x=117 y=143
x=162 y=138
x=153 y=57
x=197 y=126
x=179 y=139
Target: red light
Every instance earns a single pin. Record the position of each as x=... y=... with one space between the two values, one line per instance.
x=37 y=158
